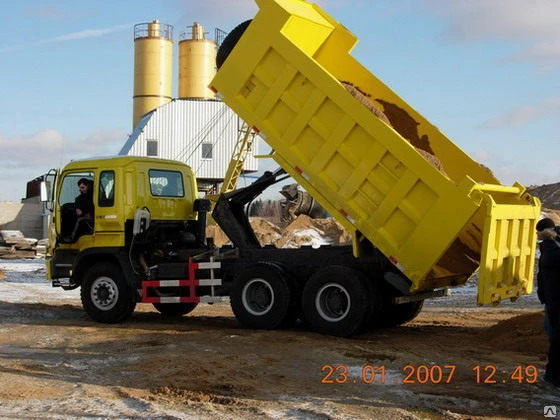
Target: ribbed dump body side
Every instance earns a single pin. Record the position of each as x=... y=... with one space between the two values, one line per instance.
x=388 y=174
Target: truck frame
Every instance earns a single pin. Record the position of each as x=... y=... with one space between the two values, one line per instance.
x=418 y=230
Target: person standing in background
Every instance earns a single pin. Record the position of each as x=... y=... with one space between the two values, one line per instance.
x=548 y=283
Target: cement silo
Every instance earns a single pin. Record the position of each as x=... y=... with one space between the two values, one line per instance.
x=153 y=67
x=197 y=64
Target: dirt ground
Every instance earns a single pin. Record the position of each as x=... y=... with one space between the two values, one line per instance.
x=56 y=363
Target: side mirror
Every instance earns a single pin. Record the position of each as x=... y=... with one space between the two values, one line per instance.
x=45 y=191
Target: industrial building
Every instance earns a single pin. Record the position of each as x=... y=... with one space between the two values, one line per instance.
x=195 y=128
x=201 y=133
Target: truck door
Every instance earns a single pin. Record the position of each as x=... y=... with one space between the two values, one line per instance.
x=108 y=220
x=65 y=211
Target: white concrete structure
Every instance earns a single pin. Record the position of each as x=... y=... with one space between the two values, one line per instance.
x=201 y=133
x=29 y=216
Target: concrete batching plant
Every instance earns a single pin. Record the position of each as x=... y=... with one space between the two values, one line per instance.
x=195 y=128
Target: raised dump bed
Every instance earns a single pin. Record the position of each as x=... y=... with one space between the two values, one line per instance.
x=371 y=160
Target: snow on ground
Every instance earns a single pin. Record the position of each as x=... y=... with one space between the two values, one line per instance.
x=308 y=237
x=26 y=282
x=465 y=296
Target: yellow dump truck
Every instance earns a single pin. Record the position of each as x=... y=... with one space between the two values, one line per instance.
x=389 y=176
x=424 y=215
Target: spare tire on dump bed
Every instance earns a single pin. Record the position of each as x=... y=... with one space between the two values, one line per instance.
x=229 y=42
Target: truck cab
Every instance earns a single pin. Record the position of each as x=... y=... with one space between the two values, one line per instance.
x=144 y=211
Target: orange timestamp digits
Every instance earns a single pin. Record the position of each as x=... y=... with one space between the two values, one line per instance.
x=490 y=374
x=367 y=374
x=434 y=374
x=340 y=374
x=427 y=374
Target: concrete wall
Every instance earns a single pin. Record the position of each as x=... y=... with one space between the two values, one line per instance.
x=26 y=216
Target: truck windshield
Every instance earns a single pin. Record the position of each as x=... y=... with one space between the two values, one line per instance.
x=166 y=183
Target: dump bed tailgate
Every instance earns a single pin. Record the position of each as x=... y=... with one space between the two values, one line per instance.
x=435 y=221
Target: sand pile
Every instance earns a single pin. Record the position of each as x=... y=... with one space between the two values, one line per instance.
x=523 y=333
x=217 y=234
x=266 y=232
x=549 y=194
x=303 y=231
x=552 y=214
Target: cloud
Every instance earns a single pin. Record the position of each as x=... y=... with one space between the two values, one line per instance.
x=525 y=114
x=547 y=54
x=97 y=143
x=533 y=24
x=84 y=34
x=215 y=12
x=29 y=151
x=46 y=12
x=23 y=158
x=509 y=172
x=48 y=148
x=227 y=14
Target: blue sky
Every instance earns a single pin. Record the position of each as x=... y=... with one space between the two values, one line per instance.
x=486 y=72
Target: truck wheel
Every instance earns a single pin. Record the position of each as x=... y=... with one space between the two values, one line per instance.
x=392 y=315
x=175 y=309
x=262 y=298
x=229 y=43
x=106 y=297
x=336 y=301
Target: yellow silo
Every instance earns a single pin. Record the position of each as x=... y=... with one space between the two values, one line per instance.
x=197 y=64
x=153 y=67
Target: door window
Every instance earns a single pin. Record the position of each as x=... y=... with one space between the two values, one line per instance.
x=69 y=188
x=107 y=189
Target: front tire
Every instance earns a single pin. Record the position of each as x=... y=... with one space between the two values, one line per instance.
x=262 y=298
x=106 y=296
x=336 y=301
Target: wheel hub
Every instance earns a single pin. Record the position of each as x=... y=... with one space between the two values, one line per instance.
x=104 y=293
x=333 y=302
x=257 y=297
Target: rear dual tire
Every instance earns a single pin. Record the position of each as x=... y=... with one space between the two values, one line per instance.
x=337 y=301
x=264 y=298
